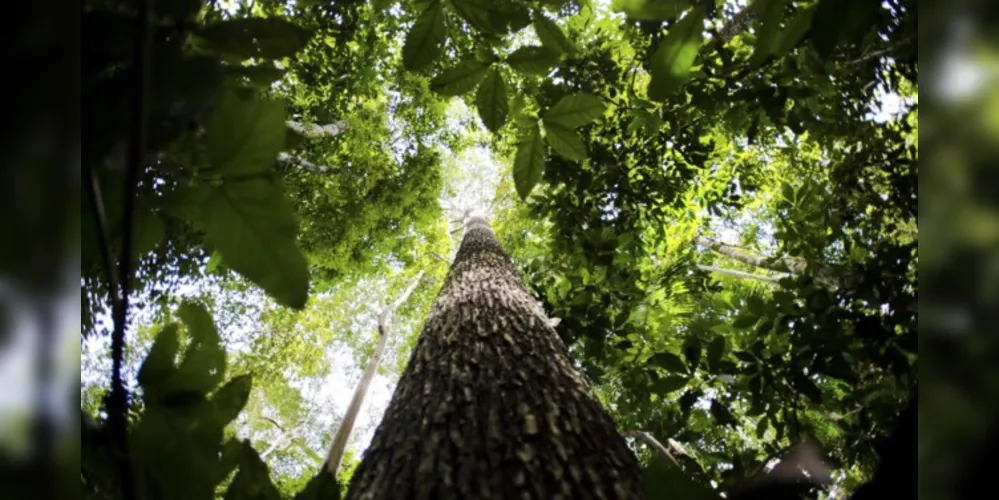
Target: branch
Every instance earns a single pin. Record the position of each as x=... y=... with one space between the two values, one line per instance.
x=335 y=455
x=313 y=130
x=739 y=274
x=295 y=161
x=118 y=400
x=655 y=444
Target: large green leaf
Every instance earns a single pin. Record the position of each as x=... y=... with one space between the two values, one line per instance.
x=651 y=10
x=203 y=366
x=668 y=361
x=231 y=398
x=669 y=384
x=162 y=358
x=722 y=414
x=244 y=134
x=425 y=39
x=459 y=79
x=251 y=225
x=492 y=17
x=551 y=35
x=664 y=480
x=672 y=62
x=253 y=481
x=533 y=60
x=716 y=349
x=322 y=486
x=267 y=37
x=796 y=29
x=769 y=14
x=575 y=110
x=565 y=142
x=529 y=162
x=491 y=100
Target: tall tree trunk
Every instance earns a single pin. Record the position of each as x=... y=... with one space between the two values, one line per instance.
x=490 y=405
x=335 y=454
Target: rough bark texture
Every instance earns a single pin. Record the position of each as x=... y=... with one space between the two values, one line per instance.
x=490 y=405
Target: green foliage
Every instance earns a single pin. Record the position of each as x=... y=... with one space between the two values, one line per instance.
x=663 y=479
x=460 y=79
x=533 y=60
x=651 y=10
x=255 y=37
x=551 y=36
x=575 y=110
x=529 y=163
x=673 y=60
x=426 y=38
x=492 y=101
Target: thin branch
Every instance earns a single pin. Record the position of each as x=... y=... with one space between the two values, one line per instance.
x=653 y=442
x=313 y=130
x=104 y=235
x=739 y=274
x=118 y=401
x=296 y=161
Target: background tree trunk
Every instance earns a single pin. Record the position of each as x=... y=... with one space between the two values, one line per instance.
x=490 y=405
x=335 y=454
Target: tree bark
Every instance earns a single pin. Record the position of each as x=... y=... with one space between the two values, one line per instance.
x=490 y=405
x=335 y=454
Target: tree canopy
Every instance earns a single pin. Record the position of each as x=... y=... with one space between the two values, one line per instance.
x=717 y=201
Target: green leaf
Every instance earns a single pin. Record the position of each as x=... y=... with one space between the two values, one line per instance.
x=160 y=362
x=425 y=39
x=761 y=427
x=664 y=480
x=768 y=34
x=244 y=135
x=651 y=10
x=231 y=398
x=322 y=486
x=533 y=60
x=692 y=351
x=491 y=100
x=669 y=361
x=744 y=356
x=669 y=384
x=263 y=75
x=551 y=35
x=721 y=414
x=529 y=162
x=203 y=366
x=267 y=37
x=459 y=79
x=253 y=481
x=745 y=320
x=796 y=29
x=673 y=60
x=806 y=386
x=213 y=262
x=755 y=305
x=252 y=226
x=575 y=110
x=716 y=349
x=565 y=142
x=492 y=17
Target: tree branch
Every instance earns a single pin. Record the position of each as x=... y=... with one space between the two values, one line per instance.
x=653 y=442
x=335 y=455
x=313 y=130
x=738 y=274
x=295 y=161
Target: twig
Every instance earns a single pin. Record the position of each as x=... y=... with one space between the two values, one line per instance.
x=103 y=236
x=654 y=443
x=118 y=404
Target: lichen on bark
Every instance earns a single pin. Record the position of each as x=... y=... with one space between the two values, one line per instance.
x=489 y=405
